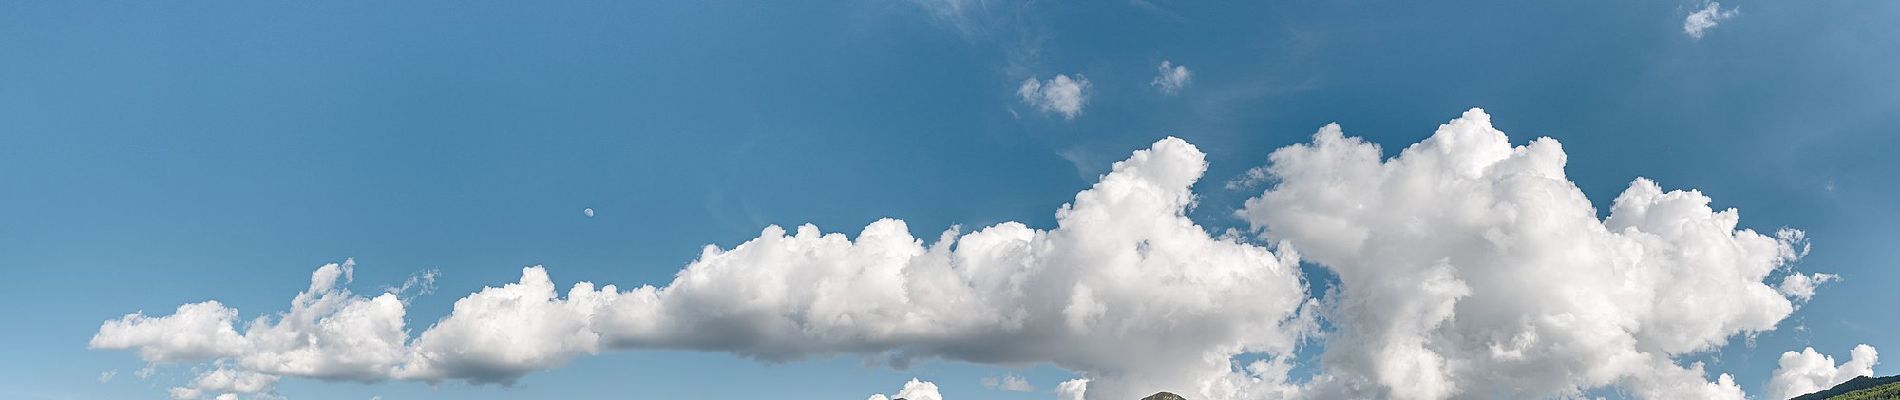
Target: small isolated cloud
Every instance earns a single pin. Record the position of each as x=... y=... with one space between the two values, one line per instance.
x=107 y=375
x=1248 y=180
x=1808 y=371
x=1060 y=95
x=913 y=390
x=589 y=212
x=1172 y=78
x=1009 y=382
x=1801 y=286
x=1700 y=21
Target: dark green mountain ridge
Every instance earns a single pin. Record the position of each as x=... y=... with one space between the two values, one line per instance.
x=1859 y=388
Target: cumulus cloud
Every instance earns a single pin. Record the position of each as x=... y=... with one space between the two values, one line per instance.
x=1808 y=371
x=225 y=383
x=195 y=331
x=1073 y=389
x=1125 y=289
x=1472 y=267
x=1060 y=95
x=1009 y=382
x=1466 y=266
x=1801 y=286
x=328 y=333
x=1171 y=78
x=1699 y=22
x=913 y=390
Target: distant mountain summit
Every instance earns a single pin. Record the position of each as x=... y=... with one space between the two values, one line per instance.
x=1164 y=396
x=1859 y=388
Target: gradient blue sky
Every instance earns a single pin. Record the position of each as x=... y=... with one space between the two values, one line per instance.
x=159 y=153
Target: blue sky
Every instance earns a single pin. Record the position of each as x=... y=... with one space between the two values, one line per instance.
x=157 y=154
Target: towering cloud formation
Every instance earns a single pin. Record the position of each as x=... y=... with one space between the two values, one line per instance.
x=1467 y=268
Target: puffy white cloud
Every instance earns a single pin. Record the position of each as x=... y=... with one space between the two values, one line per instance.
x=1808 y=371
x=500 y=334
x=1125 y=289
x=913 y=390
x=1471 y=267
x=1061 y=94
x=328 y=333
x=1699 y=22
x=195 y=331
x=1009 y=382
x=1073 y=389
x=1801 y=286
x=1467 y=267
x=225 y=383
x=1170 y=78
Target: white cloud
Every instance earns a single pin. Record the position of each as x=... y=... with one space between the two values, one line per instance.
x=1061 y=94
x=225 y=383
x=1009 y=382
x=1699 y=22
x=1801 y=286
x=913 y=390
x=1125 y=289
x=328 y=333
x=1123 y=259
x=1248 y=180
x=499 y=334
x=1073 y=389
x=1468 y=265
x=195 y=331
x=107 y=375
x=1170 y=78
x=1809 y=371
x=1465 y=265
